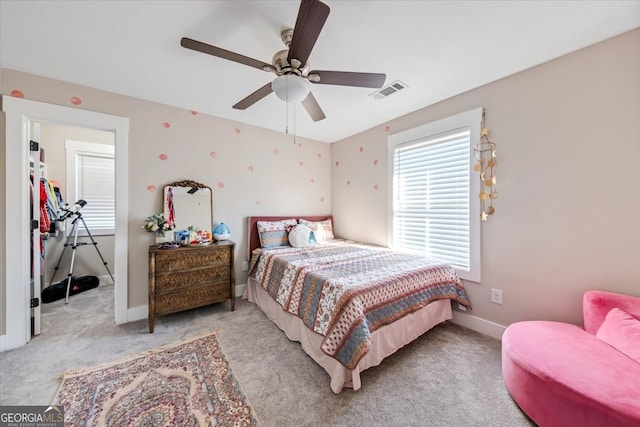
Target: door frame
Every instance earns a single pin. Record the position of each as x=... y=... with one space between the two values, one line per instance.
x=19 y=113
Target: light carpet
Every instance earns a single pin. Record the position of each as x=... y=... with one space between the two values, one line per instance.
x=189 y=383
x=450 y=376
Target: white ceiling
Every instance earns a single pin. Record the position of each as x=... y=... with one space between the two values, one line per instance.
x=438 y=48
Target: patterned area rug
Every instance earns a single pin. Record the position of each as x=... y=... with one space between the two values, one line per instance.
x=184 y=384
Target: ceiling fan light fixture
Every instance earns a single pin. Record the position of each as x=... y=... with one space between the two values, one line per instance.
x=290 y=88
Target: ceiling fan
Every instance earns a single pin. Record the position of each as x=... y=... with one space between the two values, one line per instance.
x=291 y=66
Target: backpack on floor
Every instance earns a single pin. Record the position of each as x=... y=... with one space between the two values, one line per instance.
x=59 y=290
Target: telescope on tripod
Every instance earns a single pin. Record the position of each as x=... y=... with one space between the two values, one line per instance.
x=68 y=212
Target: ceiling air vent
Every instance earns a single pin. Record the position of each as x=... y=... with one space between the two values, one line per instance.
x=389 y=90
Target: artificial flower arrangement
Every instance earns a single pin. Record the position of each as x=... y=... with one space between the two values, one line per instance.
x=157 y=224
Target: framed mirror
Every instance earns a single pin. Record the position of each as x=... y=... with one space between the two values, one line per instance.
x=188 y=204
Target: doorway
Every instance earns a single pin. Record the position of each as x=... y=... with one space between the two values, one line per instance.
x=15 y=325
x=78 y=163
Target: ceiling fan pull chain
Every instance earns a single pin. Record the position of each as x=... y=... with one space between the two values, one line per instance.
x=286 y=126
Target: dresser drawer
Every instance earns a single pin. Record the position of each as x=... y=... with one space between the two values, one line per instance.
x=183 y=260
x=195 y=297
x=188 y=279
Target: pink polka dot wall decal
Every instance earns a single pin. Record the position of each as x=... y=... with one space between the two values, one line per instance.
x=276 y=151
x=337 y=164
x=387 y=129
x=375 y=163
x=312 y=180
x=348 y=182
x=321 y=199
x=220 y=184
x=75 y=100
x=151 y=188
x=163 y=156
x=375 y=187
x=361 y=149
x=237 y=130
x=299 y=144
x=166 y=125
x=301 y=163
x=194 y=113
x=250 y=168
x=319 y=155
x=17 y=93
x=258 y=202
x=213 y=154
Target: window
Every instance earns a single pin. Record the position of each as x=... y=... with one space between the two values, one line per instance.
x=434 y=208
x=91 y=177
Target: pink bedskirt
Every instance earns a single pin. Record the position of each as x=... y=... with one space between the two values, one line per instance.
x=385 y=341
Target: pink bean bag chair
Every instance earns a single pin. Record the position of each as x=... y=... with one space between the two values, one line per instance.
x=563 y=375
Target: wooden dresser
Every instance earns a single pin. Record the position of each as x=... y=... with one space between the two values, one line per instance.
x=189 y=277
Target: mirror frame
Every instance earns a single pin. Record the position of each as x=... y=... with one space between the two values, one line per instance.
x=188 y=184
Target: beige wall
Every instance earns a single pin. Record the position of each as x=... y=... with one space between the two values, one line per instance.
x=568 y=138
x=252 y=171
x=87 y=261
x=568 y=146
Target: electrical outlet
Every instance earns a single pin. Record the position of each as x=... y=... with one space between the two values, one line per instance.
x=496 y=296
x=245 y=265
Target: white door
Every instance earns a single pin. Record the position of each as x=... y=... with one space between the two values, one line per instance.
x=36 y=172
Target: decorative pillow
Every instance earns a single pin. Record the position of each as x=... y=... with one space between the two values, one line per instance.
x=323 y=230
x=274 y=234
x=301 y=236
x=621 y=331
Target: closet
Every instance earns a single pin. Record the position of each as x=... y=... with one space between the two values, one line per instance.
x=15 y=307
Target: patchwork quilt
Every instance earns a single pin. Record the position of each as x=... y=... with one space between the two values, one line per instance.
x=345 y=290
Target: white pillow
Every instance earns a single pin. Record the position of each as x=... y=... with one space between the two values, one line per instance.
x=301 y=236
x=323 y=229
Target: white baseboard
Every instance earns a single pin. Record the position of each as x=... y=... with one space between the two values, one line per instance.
x=104 y=280
x=142 y=311
x=138 y=313
x=240 y=290
x=485 y=327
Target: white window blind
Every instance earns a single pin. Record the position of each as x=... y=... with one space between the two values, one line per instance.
x=91 y=177
x=434 y=204
x=431 y=188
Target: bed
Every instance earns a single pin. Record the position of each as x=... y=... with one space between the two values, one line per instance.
x=349 y=304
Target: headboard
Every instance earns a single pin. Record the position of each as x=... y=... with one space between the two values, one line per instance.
x=252 y=226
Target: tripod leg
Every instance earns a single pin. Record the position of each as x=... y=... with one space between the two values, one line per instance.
x=66 y=243
x=95 y=245
x=73 y=257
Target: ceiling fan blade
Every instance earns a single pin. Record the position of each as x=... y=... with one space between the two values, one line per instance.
x=225 y=54
x=311 y=18
x=313 y=108
x=347 y=78
x=254 y=97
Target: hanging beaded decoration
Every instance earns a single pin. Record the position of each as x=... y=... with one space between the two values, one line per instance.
x=485 y=152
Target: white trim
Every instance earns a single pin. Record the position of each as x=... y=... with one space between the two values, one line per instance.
x=138 y=313
x=471 y=119
x=18 y=115
x=240 y=290
x=478 y=324
x=104 y=280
